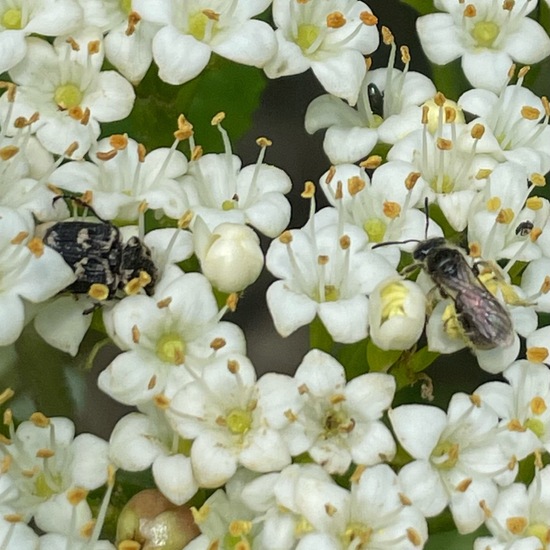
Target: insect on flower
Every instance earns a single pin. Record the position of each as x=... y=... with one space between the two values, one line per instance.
x=482 y=320
x=103 y=263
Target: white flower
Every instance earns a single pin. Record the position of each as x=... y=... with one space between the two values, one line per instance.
x=65 y=85
x=24 y=168
x=397 y=314
x=230 y=256
x=452 y=175
x=487 y=34
x=46 y=461
x=20 y=18
x=522 y=404
x=28 y=271
x=341 y=422
x=384 y=208
x=141 y=441
x=370 y=516
x=519 y=519
x=226 y=516
x=15 y=535
x=166 y=338
x=515 y=123
x=331 y=37
x=459 y=457
x=128 y=39
x=219 y=190
x=534 y=280
x=121 y=176
x=326 y=270
x=504 y=221
x=224 y=413
x=192 y=30
x=386 y=112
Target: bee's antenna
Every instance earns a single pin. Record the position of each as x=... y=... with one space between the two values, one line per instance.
x=427 y=218
x=395 y=242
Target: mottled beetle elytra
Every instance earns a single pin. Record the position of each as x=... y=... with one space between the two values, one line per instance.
x=98 y=255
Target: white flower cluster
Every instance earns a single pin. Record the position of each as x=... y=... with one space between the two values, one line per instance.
x=319 y=459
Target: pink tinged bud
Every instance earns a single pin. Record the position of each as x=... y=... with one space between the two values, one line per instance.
x=151 y=520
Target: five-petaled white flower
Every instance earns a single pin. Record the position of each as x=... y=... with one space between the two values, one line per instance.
x=489 y=35
x=192 y=30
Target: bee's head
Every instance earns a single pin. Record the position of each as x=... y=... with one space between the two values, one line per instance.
x=426 y=247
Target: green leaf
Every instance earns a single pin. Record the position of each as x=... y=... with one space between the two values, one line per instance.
x=222 y=86
x=380 y=360
x=319 y=337
x=450 y=80
x=452 y=540
x=421 y=6
x=353 y=357
x=422 y=359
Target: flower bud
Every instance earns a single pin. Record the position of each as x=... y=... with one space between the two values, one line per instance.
x=397 y=311
x=230 y=256
x=154 y=522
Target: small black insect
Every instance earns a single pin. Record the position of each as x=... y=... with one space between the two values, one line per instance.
x=97 y=254
x=376 y=99
x=484 y=322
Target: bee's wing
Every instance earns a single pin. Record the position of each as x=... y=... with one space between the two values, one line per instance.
x=485 y=321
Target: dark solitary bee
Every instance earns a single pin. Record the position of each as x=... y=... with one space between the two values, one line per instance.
x=97 y=254
x=485 y=322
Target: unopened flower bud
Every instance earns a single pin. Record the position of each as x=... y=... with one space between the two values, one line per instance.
x=397 y=311
x=154 y=522
x=230 y=256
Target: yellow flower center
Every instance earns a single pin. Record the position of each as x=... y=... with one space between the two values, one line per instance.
x=332 y=294
x=171 y=349
x=229 y=205
x=68 y=96
x=393 y=297
x=485 y=33
x=11 y=19
x=307 y=35
x=357 y=535
x=197 y=25
x=239 y=421
x=375 y=228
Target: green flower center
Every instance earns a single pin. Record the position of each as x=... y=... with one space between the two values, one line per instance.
x=535 y=425
x=356 y=536
x=445 y=455
x=229 y=204
x=239 y=421
x=539 y=530
x=11 y=19
x=41 y=487
x=126 y=6
x=307 y=35
x=68 y=96
x=338 y=422
x=171 y=348
x=197 y=25
x=485 y=33
x=446 y=185
x=375 y=228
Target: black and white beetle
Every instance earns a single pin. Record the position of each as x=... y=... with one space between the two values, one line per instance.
x=98 y=255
